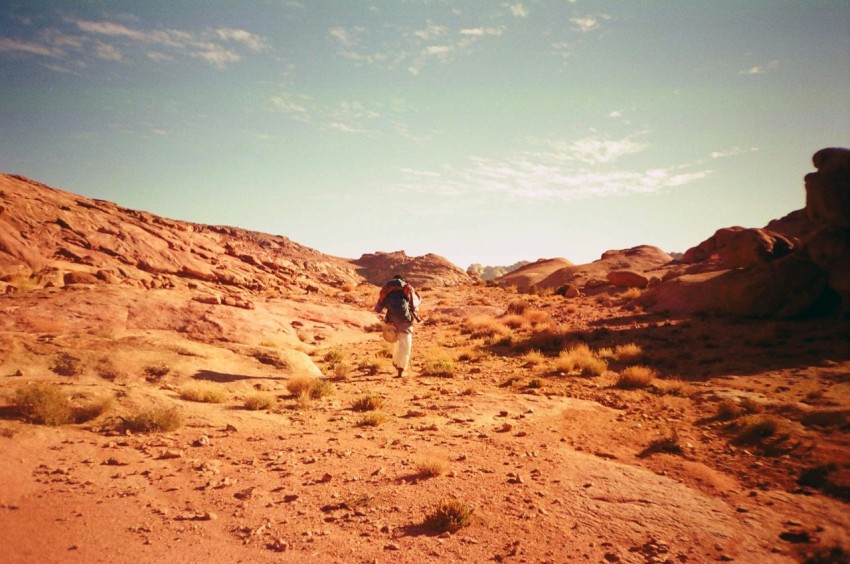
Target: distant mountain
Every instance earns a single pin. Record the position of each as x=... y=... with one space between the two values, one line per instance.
x=493 y=272
x=424 y=271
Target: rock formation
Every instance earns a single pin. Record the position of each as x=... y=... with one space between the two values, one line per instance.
x=428 y=270
x=630 y=267
x=793 y=265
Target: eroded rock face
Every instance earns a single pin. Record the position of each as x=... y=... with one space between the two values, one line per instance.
x=778 y=272
x=628 y=279
x=424 y=271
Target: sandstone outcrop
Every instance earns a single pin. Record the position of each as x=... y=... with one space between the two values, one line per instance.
x=796 y=264
x=641 y=261
x=424 y=271
x=532 y=273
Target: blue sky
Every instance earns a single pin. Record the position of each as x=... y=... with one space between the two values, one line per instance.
x=483 y=131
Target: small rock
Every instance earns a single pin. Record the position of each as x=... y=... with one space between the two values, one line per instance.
x=392 y=546
x=203 y=441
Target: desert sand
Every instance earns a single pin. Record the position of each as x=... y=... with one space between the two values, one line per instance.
x=582 y=426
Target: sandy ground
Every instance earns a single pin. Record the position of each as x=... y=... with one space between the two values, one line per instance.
x=556 y=466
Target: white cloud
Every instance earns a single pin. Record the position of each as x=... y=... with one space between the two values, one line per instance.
x=253 y=42
x=519 y=11
x=9 y=45
x=585 y=24
x=108 y=52
x=292 y=105
x=760 y=69
x=731 y=152
x=615 y=114
x=558 y=173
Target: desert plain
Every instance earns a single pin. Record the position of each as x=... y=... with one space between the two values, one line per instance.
x=176 y=392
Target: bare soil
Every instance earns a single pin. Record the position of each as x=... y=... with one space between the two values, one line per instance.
x=556 y=467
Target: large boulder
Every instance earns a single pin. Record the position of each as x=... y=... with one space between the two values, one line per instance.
x=828 y=189
x=423 y=271
x=628 y=279
x=739 y=247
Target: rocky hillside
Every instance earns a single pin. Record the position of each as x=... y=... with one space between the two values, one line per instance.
x=799 y=264
x=493 y=272
x=49 y=237
x=426 y=271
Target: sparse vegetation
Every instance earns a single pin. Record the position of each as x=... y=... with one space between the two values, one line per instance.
x=632 y=294
x=203 y=393
x=431 y=467
x=154 y=420
x=728 y=409
x=156 y=372
x=438 y=367
x=45 y=404
x=518 y=306
x=450 y=515
x=753 y=429
x=369 y=402
x=309 y=387
x=371 y=419
x=65 y=364
x=341 y=370
x=259 y=401
x=270 y=358
x=334 y=356
x=633 y=377
x=533 y=358
x=580 y=359
x=628 y=353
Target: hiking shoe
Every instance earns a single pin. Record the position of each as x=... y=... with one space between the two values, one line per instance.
x=400 y=372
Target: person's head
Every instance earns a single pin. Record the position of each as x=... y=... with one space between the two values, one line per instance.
x=398 y=277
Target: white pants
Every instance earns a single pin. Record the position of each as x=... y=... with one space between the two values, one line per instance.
x=401 y=354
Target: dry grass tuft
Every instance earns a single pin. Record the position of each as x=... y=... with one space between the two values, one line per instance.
x=156 y=372
x=369 y=402
x=634 y=377
x=450 y=516
x=728 y=410
x=431 y=467
x=631 y=294
x=484 y=326
x=259 y=401
x=202 y=393
x=334 y=356
x=518 y=306
x=44 y=404
x=628 y=353
x=309 y=387
x=155 y=420
x=515 y=321
x=371 y=419
x=341 y=370
x=533 y=358
x=580 y=359
x=753 y=429
x=537 y=318
x=66 y=364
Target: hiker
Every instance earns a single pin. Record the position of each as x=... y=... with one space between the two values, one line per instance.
x=401 y=301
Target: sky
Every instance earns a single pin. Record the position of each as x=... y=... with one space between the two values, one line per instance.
x=484 y=131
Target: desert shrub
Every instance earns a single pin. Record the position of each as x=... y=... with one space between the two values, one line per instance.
x=546 y=341
x=341 y=370
x=753 y=429
x=537 y=317
x=156 y=372
x=470 y=391
x=202 y=393
x=450 y=515
x=369 y=402
x=470 y=354
x=309 y=387
x=438 y=367
x=259 y=401
x=484 y=326
x=634 y=377
x=92 y=408
x=534 y=384
x=334 y=355
x=628 y=353
x=673 y=388
x=606 y=353
x=106 y=369
x=518 y=306
x=65 y=364
x=631 y=294
x=582 y=360
x=371 y=419
x=514 y=321
x=154 y=420
x=728 y=409
x=666 y=445
x=431 y=467
x=830 y=555
x=44 y=404
x=533 y=358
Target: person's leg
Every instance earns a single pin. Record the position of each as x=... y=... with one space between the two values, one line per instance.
x=401 y=358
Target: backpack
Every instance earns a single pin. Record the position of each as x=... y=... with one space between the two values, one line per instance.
x=401 y=300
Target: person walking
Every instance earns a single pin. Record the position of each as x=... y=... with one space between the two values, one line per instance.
x=401 y=302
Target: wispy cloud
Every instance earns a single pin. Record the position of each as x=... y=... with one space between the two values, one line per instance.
x=731 y=152
x=519 y=11
x=411 y=48
x=79 y=42
x=760 y=69
x=564 y=170
x=585 y=24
